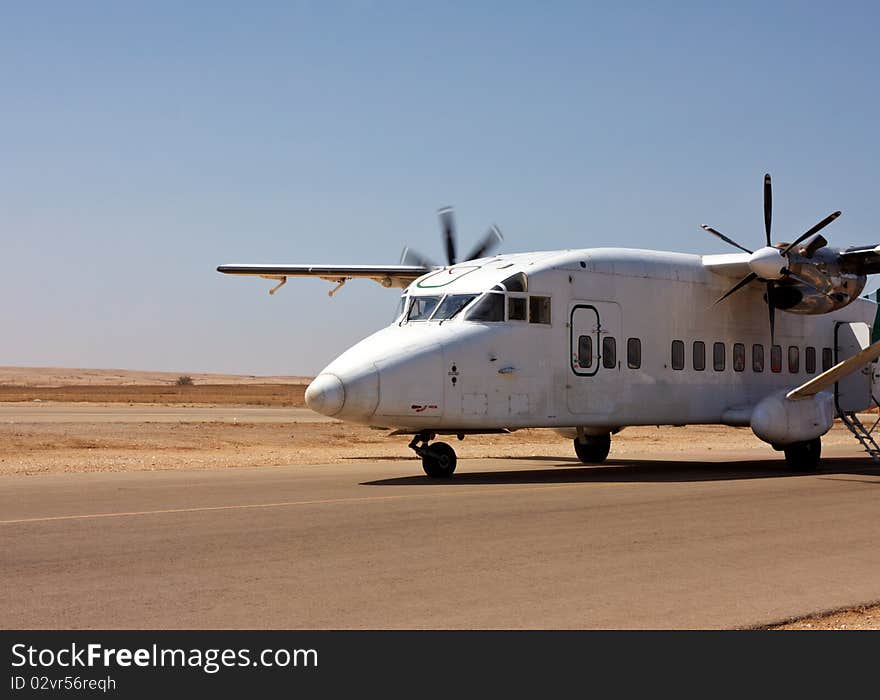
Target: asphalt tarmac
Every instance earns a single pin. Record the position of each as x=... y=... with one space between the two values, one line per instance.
x=506 y=543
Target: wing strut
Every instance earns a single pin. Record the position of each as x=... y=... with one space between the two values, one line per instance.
x=339 y=284
x=278 y=286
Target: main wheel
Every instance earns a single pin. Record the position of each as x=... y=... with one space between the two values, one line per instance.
x=439 y=460
x=804 y=456
x=594 y=450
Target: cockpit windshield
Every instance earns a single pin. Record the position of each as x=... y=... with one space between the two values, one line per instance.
x=498 y=305
x=421 y=307
x=451 y=305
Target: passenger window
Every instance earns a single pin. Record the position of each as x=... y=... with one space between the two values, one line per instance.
x=516 y=309
x=699 y=355
x=489 y=309
x=793 y=359
x=810 y=360
x=585 y=351
x=609 y=352
x=633 y=353
x=677 y=354
x=718 y=357
x=827 y=359
x=539 y=310
x=739 y=357
x=516 y=283
x=757 y=358
x=775 y=358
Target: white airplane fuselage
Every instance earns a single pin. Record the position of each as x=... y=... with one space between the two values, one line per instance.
x=462 y=375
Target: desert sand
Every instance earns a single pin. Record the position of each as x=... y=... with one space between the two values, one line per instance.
x=72 y=376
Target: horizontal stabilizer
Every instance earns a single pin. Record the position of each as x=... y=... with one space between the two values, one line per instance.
x=836 y=373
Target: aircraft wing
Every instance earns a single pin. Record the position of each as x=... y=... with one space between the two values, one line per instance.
x=836 y=373
x=863 y=260
x=728 y=264
x=386 y=275
x=860 y=260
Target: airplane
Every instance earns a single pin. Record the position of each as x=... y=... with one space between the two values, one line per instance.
x=591 y=341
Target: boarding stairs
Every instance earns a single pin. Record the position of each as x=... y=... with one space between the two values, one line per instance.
x=854 y=391
x=864 y=435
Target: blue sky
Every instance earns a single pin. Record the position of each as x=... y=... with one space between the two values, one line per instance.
x=142 y=144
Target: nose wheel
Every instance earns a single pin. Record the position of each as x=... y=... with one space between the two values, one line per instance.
x=438 y=460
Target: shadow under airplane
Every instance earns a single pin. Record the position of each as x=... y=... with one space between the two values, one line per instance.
x=642 y=470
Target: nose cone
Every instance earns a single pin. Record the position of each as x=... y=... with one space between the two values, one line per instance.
x=325 y=395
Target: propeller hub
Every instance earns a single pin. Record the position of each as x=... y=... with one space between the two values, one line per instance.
x=768 y=263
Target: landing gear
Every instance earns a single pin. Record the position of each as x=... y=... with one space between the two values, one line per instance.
x=804 y=456
x=438 y=460
x=592 y=449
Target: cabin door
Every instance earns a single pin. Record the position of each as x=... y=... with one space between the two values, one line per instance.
x=853 y=393
x=595 y=350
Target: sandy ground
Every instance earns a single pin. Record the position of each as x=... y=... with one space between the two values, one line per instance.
x=861 y=618
x=44 y=448
x=248 y=394
x=81 y=445
x=72 y=376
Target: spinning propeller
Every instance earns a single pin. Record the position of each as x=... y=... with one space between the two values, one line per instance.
x=771 y=263
x=487 y=243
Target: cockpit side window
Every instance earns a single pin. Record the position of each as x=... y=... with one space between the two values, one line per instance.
x=451 y=305
x=489 y=309
x=516 y=283
x=421 y=307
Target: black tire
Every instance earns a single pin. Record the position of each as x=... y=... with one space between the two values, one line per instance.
x=804 y=456
x=594 y=450
x=439 y=460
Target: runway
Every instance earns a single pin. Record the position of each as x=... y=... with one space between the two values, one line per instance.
x=526 y=543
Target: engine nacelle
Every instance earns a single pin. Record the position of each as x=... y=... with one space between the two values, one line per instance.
x=831 y=286
x=781 y=421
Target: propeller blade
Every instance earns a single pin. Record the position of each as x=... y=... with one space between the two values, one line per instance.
x=410 y=257
x=818 y=227
x=772 y=309
x=447 y=225
x=768 y=206
x=492 y=238
x=724 y=238
x=739 y=285
x=809 y=250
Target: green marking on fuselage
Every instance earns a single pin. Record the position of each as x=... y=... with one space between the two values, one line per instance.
x=875 y=330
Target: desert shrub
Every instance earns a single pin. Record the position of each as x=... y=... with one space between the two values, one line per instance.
x=184 y=380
